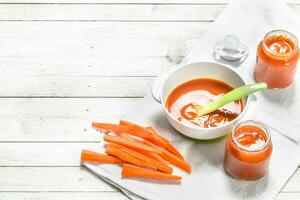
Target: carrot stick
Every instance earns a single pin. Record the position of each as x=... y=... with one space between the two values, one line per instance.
x=128 y=137
x=138 y=172
x=140 y=131
x=134 y=129
x=171 y=158
x=159 y=165
x=130 y=144
x=110 y=150
x=107 y=127
x=173 y=150
x=153 y=155
x=91 y=156
x=153 y=131
x=168 y=146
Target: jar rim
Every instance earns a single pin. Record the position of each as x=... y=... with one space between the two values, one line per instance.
x=255 y=124
x=280 y=32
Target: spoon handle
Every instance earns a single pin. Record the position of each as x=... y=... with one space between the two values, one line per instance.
x=235 y=94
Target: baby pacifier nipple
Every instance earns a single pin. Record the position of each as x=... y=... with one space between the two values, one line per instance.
x=231 y=50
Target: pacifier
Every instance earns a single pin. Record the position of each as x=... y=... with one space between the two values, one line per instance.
x=230 y=50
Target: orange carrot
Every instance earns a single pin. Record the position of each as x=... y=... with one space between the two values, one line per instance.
x=137 y=130
x=168 y=146
x=110 y=150
x=128 y=137
x=130 y=144
x=154 y=132
x=91 y=156
x=171 y=158
x=160 y=166
x=134 y=129
x=138 y=172
x=153 y=155
x=173 y=150
x=108 y=127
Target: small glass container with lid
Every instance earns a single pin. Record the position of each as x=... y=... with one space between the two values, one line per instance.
x=277 y=57
x=248 y=151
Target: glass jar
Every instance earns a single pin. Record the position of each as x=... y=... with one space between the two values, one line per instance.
x=248 y=151
x=276 y=60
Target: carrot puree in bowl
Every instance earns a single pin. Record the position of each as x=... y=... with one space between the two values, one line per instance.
x=202 y=91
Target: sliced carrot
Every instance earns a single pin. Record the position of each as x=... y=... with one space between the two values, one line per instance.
x=128 y=137
x=160 y=166
x=154 y=131
x=173 y=150
x=171 y=158
x=91 y=156
x=130 y=144
x=168 y=146
x=108 y=127
x=139 y=172
x=140 y=131
x=153 y=155
x=134 y=129
x=110 y=150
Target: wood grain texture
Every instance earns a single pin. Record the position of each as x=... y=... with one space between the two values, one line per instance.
x=93 y=196
x=117 y=66
x=55 y=179
x=50 y=179
x=44 y=154
x=75 y=86
x=58 y=119
x=70 y=31
x=104 y=49
x=107 y=195
x=111 y=12
x=115 y=12
x=129 y=1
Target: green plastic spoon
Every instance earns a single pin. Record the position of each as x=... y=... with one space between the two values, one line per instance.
x=231 y=96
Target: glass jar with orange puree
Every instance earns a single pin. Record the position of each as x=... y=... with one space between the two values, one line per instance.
x=248 y=151
x=277 y=57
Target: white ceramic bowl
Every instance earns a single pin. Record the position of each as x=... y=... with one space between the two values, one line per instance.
x=162 y=89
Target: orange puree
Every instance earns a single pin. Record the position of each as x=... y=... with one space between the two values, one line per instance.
x=248 y=150
x=202 y=91
x=277 y=57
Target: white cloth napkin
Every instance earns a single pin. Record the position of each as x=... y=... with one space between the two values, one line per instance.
x=249 y=20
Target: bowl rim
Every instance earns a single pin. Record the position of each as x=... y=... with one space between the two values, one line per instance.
x=201 y=128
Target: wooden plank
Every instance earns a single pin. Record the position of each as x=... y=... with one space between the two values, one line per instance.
x=66 y=47
x=100 y=30
x=74 y=86
x=64 y=108
x=93 y=42
x=111 y=12
x=130 y=1
x=83 y=66
x=58 y=119
x=43 y=154
x=288 y=196
x=50 y=179
x=93 y=196
x=107 y=195
x=55 y=179
x=79 y=12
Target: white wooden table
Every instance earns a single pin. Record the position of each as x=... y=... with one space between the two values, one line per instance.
x=65 y=63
